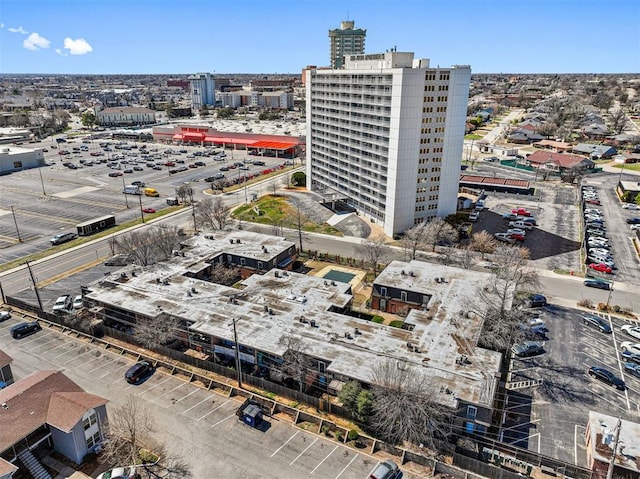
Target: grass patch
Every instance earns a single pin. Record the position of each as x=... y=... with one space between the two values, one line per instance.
x=85 y=239
x=627 y=166
x=472 y=136
x=259 y=178
x=276 y=210
x=377 y=319
x=396 y=323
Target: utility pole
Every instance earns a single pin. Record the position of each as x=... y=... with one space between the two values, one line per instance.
x=42 y=182
x=615 y=450
x=35 y=286
x=235 y=339
x=141 y=212
x=125 y=193
x=16 y=223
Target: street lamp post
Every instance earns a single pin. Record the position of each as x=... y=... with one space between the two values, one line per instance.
x=124 y=192
x=610 y=293
x=42 y=183
x=237 y=347
x=141 y=211
x=16 y=223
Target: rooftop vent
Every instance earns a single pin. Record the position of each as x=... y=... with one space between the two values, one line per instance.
x=238 y=241
x=333 y=283
x=276 y=274
x=209 y=237
x=411 y=273
x=188 y=293
x=165 y=281
x=193 y=290
x=313 y=323
x=403 y=273
x=231 y=240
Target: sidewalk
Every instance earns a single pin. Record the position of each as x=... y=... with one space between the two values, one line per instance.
x=607 y=168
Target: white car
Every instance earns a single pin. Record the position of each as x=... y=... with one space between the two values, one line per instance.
x=631 y=330
x=521 y=225
x=77 y=302
x=634 y=227
x=630 y=346
x=516 y=231
x=119 y=473
x=630 y=206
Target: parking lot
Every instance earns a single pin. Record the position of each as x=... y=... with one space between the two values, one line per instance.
x=52 y=200
x=550 y=417
x=197 y=424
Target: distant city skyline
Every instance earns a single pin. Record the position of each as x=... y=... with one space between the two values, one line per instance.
x=256 y=36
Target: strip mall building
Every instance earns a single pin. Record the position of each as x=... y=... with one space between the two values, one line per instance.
x=278 y=146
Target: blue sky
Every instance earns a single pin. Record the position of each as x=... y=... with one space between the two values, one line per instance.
x=282 y=36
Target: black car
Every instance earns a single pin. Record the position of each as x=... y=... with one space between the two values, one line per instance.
x=606 y=377
x=633 y=221
x=537 y=301
x=596 y=322
x=25 y=329
x=139 y=372
x=199 y=163
x=596 y=283
x=224 y=168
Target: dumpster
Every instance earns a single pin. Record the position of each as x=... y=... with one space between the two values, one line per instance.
x=252 y=415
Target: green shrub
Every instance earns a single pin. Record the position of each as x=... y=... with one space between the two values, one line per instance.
x=353 y=435
x=397 y=323
x=377 y=319
x=340 y=436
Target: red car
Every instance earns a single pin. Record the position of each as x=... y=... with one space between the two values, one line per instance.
x=521 y=212
x=169 y=163
x=517 y=237
x=193 y=165
x=603 y=268
x=148 y=210
x=592 y=202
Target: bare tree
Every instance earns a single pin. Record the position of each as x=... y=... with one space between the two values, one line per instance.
x=130 y=428
x=414 y=239
x=223 y=274
x=298 y=219
x=150 y=332
x=619 y=120
x=374 y=250
x=296 y=362
x=483 y=242
x=213 y=213
x=184 y=192
x=502 y=299
x=437 y=231
x=149 y=246
x=405 y=406
x=466 y=260
x=166 y=240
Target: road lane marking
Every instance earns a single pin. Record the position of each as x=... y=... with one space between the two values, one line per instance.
x=214 y=409
x=288 y=440
x=305 y=450
x=351 y=462
x=327 y=457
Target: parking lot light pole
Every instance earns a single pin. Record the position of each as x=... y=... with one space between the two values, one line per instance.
x=610 y=293
x=16 y=223
x=126 y=200
x=141 y=211
x=42 y=182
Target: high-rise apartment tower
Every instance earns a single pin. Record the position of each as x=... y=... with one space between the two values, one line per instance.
x=203 y=90
x=346 y=40
x=385 y=136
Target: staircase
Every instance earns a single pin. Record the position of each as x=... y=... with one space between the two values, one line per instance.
x=29 y=461
x=513 y=385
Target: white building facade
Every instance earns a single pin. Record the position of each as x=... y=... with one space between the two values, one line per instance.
x=126 y=116
x=385 y=134
x=203 y=90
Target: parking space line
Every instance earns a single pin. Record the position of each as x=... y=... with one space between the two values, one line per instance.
x=79 y=356
x=288 y=440
x=575 y=443
x=55 y=338
x=65 y=352
x=223 y=420
x=61 y=345
x=615 y=345
x=160 y=382
x=184 y=397
x=326 y=457
x=171 y=390
x=213 y=410
x=351 y=462
x=106 y=374
x=305 y=450
x=195 y=405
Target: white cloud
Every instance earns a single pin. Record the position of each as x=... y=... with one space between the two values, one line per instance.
x=36 y=42
x=77 y=47
x=17 y=30
x=1 y=25
x=61 y=53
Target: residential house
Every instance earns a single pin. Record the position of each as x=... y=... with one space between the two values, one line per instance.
x=524 y=135
x=47 y=409
x=558 y=162
x=594 y=151
x=595 y=131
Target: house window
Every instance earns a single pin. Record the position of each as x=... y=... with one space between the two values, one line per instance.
x=383 y=291
x=93 y=440
x=259 y=265
x=403 y=295
x=471 y=413
x=89 y=421
x=322 y=367
x=242 y=261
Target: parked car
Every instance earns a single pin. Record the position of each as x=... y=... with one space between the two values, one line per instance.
x=516 y=231
x=527 y=348
x=628 y=356
x=77 y=302
x=4 y=315
x=521 y=212
x=630 y=206
x=633 y=221
x=634 y=227
x=520 y=224
x=537 y=301
x=504 y=237
x=606 y=377
x=62 y=238
x=601 y=267
x=139 y=183
x=24 y=329
x=631 y=330
x=597 y=283
x=115 y=173
x=632 y=368
x=148 y=210
x=509 y=216
x=126 y=472
x=517 y=237
x=630 y=346
x=63 y=304
x=596 y=322
x=386 y=470
x=139 y=372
